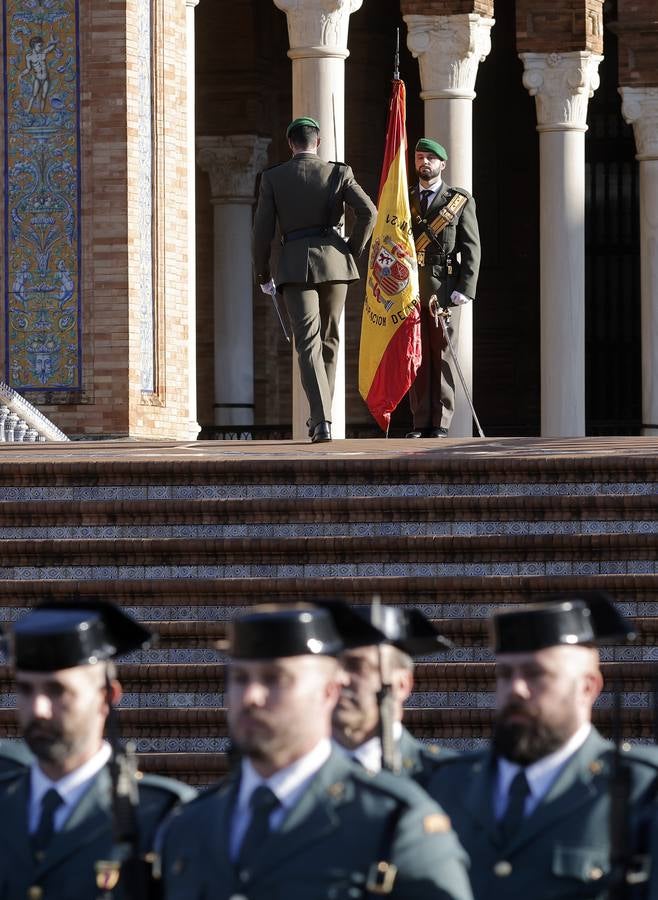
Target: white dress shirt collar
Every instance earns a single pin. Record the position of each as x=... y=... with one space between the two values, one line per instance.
x=288 y=784
x=70 y=788
x=540 y=774
x=369 y=754
x=435 y=188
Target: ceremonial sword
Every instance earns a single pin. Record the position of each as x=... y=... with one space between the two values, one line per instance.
x=442 y=316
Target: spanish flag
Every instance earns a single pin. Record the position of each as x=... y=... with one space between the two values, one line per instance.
x=390 y=350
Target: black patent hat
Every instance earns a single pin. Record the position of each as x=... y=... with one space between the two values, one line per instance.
x=57 y=636
x=565 y=619
x=407 y=629
x=300 y=629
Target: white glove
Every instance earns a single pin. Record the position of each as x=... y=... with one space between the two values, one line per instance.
x=459 y=299
x=269 y=287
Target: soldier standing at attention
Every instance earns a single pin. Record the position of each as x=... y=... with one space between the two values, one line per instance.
x=306 y=197
x=367 y=720
x=447 y=240
x=535 y=810
x=59 y=829
x=299 y=820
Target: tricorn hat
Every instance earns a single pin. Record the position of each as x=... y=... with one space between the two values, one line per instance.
x=561 y=619
x=407 y=629
x=64 y=635
x=296 y=629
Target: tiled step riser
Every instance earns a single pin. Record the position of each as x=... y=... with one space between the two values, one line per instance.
x=340 y=570
x=329 y=491
x=335 y=529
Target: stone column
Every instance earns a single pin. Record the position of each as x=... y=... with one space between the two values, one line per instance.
x=233 y=162
x=449 y=50
x=640 y=109
x=317 y=31
x=194 y=428
x=562 y=84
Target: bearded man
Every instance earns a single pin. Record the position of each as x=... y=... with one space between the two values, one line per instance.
x=534 y=810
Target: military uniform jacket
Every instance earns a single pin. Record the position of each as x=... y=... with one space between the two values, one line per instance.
x=420 y=761
x=14 y=757
x=345 y=821
x=562 y=849
x=66 y=871
x=462 y=237
x=297 y=194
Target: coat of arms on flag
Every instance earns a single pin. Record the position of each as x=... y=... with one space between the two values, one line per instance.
x=388 y=271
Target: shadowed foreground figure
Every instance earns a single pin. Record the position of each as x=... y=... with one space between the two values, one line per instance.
x=57 y=823
x=367 y=720
x=533 y=811
x=299 y=820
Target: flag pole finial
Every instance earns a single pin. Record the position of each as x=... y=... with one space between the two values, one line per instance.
x=396 y=64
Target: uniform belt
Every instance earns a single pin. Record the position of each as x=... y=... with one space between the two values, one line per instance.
x=299 y=233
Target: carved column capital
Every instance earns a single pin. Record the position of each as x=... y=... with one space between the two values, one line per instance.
x=639 y=108
x=192 y=3
x=561 y=84
x=318 y=27
x=449 y=50
x=232 y=161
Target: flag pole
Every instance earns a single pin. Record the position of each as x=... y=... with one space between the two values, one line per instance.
x=396 y=63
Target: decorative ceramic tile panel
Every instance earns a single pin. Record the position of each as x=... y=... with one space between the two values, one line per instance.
x=42 y=195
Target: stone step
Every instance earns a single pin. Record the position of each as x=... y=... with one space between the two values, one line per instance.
x=187 y=725
x=260 y=555
x=470 y=592
x=429 y=677
x=498 y=508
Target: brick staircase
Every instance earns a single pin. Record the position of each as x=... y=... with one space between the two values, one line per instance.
x=184 y=535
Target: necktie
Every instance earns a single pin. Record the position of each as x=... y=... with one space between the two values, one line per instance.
x=424 y=197
x=262 y=803
x=513 y=817
x=50 y=803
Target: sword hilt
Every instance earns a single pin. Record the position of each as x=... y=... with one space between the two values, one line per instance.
x=436 y=311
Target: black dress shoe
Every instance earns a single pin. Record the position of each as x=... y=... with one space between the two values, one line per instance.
x=321 y=433
x=414 y=434
x=439 y=432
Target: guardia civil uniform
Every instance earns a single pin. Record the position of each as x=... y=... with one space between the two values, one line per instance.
x=305 y=197
x=66 y=870
x=348 y=834
x=14 y=757
x=561 y=849
x=329 y=845
x=64 y=863
x=449 y=263
x=411 y=632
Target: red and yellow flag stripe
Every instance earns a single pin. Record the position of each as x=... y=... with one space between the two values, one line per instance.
x=390 y=349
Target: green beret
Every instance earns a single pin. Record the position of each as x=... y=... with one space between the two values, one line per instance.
x=432 y=147
x=302 y=120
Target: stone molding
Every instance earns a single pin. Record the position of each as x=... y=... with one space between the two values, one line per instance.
x=232 y=161
x=561 y=84
x=192 y=3
x=449 y=50
x=318 y=27
x=639 y=108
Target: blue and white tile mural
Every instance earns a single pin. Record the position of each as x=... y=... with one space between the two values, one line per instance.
x=42 y=194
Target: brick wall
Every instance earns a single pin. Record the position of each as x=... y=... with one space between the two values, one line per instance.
x=637 y=30
x=112 y=402
x=447 y=7
x=549 y=26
